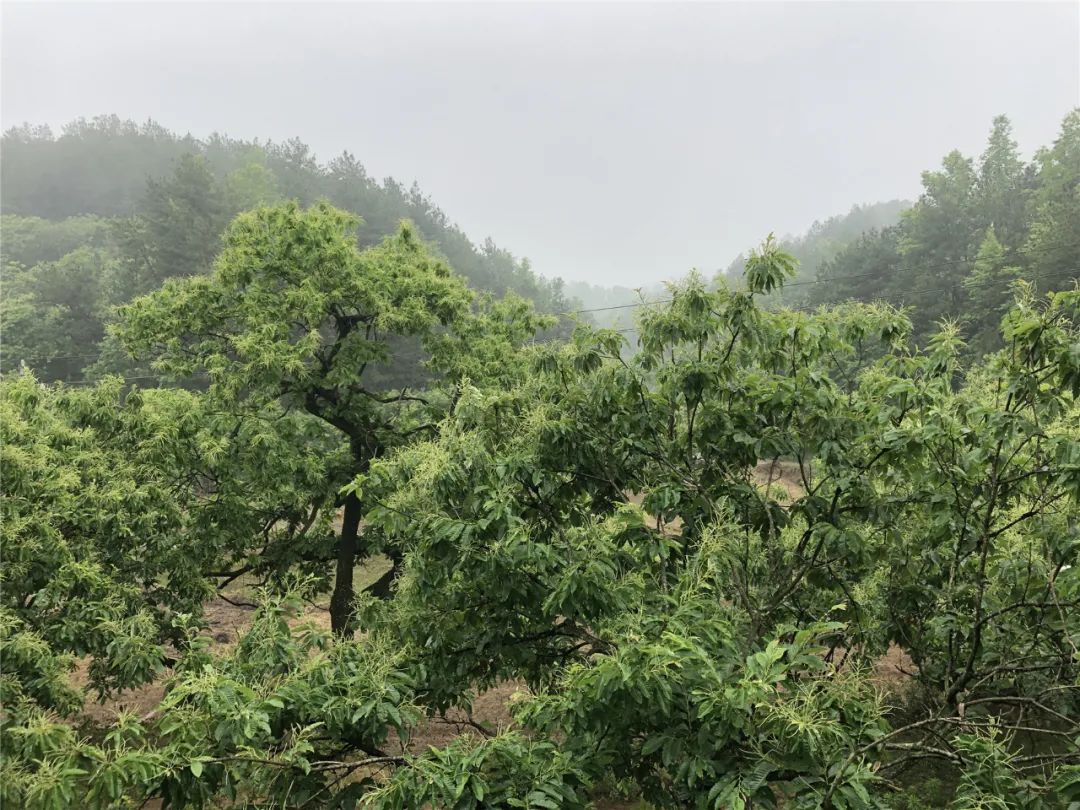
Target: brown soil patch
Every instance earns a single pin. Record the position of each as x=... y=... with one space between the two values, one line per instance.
x=490 y=714
x=894 y=670
x=782 y=479
x=140 y=700
x=227 y=621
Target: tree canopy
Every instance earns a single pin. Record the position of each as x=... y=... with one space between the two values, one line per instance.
x=606 y=531
x=764 y=557
x=294 y=313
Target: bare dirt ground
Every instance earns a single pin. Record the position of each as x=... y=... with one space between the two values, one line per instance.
x=782 y=478
x=227 y=622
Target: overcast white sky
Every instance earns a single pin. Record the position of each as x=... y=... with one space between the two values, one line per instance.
x=612 y=143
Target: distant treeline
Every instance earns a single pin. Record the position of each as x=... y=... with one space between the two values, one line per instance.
x=826 y=238
x=822 y=242
x=109 y=209
x=979 y=225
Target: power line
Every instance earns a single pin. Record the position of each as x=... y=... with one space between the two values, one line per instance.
x=954 y=285
x=126 y=379
x=158 y=377
x=834 y=279
x=617 y=306
x=928 y=290
x=919 y=267
x=923 y=291
x=636 y=304
x=48 y=358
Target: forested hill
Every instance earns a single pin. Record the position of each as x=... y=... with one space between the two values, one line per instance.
x=616 y=307
x=109 y=209
x=826 y=238
x=980 y=224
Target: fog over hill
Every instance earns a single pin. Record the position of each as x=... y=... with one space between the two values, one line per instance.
x=609 y=143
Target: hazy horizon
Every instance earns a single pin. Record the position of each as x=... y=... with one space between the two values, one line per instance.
x=609 y=143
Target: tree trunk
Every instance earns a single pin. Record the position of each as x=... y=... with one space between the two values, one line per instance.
x=381 y=588
x=341 y=602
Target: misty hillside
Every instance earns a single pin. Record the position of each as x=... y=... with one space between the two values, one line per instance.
x=109 y=209
x=112 y=168
x=825 y=238
x=982 y=224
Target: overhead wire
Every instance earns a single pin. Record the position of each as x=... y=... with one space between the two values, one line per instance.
x=636 y=304
x=808 y=282
x=953 y=286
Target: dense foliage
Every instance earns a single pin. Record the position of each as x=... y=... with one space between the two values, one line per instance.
x=712 y=644
x=978 y=224
x=592 y=526
x=757 y=556
x=294 y=314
